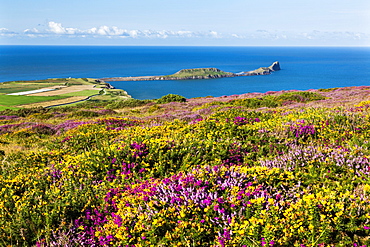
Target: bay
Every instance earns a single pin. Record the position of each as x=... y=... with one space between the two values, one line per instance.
x=302 y=67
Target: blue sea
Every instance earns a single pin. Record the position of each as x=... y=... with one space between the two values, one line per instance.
x=302 y=67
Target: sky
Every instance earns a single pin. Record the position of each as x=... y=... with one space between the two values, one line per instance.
x=190 y=22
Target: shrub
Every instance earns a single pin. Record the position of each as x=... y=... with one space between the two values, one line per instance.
x=153 y=108
x=171 y=98
x=86 y=104
x=127 y=103
x=266 y=101
x=8 y=117
x=117 y=92
x=327 y=89
x=84 y=114
x=41 y=116
x=42 y=129
x=299 y=97
x=275 y=101
x=25 y=111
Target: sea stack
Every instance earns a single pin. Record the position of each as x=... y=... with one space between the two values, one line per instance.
x=275 y=66
x=263 y=70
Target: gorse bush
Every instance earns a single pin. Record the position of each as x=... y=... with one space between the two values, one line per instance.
x=84 y=114
x=275 y=101
x=327 y=89
x=25 y=112
x=129 y=103
x=299 y=97
x=171 y=98
x=266 y=101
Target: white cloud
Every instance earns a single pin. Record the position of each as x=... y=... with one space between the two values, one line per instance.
x=7 y=32
x=4 y=30
x=31 y=31
x=56 y=28
x=214 y=34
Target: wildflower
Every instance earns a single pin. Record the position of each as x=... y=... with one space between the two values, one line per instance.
x=263 y=243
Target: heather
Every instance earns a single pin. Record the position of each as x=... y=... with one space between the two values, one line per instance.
x=204 y=172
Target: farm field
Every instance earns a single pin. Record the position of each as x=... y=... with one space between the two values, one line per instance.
x=62 y=91
x=261 y=169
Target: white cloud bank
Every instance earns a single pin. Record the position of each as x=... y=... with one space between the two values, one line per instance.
x=259 y=37
x=57 y=29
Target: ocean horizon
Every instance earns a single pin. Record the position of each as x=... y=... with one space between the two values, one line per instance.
x=302 y=68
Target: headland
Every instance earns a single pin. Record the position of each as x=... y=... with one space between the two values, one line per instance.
x=199 y=74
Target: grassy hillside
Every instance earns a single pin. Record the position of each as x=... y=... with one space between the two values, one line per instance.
x=199 y=73
x=274 y=169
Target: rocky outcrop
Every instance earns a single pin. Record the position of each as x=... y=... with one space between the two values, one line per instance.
x=275 y=66
x=109 y=86
x=106 y=85
x=263 y=70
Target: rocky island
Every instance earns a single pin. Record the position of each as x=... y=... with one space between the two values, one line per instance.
x=263 y=70
x=200 y=73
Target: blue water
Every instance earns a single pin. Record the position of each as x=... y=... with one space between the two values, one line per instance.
x=302 y=67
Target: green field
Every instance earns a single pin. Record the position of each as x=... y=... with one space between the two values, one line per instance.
x=81 y=93
x=14 y=100
x=16 y=87
x=21 y=86
x=10 y=101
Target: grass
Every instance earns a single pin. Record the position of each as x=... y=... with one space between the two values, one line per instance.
x=16 y=87
x=199 y=72
x=2 y=108
x=81 y=93
x=80 y=81
x=14 y=100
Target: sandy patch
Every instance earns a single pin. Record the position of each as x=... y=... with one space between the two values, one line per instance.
x=63 y=89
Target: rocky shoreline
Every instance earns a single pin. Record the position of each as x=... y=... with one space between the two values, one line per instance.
x=208 y=73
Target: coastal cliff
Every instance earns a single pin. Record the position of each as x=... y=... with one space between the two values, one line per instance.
x=199 y=73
